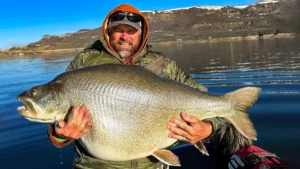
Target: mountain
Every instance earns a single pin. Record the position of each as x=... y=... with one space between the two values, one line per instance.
x=197 y=23
x=267 y=1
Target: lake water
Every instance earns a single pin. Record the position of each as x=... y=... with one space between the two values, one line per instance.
x=273 y=65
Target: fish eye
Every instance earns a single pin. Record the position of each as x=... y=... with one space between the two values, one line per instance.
x=33 y=92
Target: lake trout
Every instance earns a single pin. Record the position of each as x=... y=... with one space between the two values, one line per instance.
x=130 y=108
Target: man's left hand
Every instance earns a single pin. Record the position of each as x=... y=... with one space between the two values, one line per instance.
x=189 y=129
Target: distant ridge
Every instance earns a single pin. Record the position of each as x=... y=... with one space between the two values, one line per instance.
x=197 y=23
x=186 y=8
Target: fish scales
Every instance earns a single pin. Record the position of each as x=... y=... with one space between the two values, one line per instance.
x=130 y=108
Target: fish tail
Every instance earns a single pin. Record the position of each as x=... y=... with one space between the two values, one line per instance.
x=242 y=99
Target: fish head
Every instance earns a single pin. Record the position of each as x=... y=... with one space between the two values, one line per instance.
x=43 y=103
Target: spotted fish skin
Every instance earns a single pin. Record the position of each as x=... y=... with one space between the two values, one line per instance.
x=130 y=108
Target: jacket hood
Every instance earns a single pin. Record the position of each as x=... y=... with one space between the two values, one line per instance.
x=145 y=27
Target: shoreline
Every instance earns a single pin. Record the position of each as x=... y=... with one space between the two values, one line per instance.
x=61 y=50
x=33 y=52
x=216 y=40
x=210 y=40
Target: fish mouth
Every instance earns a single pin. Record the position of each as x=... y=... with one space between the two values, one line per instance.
x=23 y=110
x=40 y=120
x=29 y=109
x=33 y=112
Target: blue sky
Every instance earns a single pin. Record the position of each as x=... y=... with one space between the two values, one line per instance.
x=26 y=21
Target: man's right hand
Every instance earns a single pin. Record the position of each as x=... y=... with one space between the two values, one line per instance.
x=76 y=125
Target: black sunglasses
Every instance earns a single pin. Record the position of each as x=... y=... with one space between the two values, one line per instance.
x=119 y=16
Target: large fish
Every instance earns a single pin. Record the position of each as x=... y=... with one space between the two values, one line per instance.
x=130 y=108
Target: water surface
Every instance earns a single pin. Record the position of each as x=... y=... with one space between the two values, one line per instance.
x=273 y=65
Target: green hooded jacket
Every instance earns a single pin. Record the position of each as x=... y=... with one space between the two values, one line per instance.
x=100 y=52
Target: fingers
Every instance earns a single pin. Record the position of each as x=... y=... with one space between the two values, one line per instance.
x=79 y=114
x=178 y=133
x=181 y=124
x=188 y=118
x=61 y=124
x=73 y=114
x=77 y=124
x=189 y=129
x=76 y=115
x=59 y=128
x=178 y=137
x=84 y=120
x=87 y=127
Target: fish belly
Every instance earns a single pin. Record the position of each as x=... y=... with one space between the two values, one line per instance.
x=128 y=132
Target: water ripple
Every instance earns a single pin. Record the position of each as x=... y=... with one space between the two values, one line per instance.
x=270 y=65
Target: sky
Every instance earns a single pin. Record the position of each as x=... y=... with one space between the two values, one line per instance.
x=26 y=21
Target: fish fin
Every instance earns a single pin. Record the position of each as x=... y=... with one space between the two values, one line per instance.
x=167 y=157
x=201 y=147
x=243 y=99
x=157 y=66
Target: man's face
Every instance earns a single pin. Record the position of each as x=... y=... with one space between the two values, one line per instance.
x=125 y=39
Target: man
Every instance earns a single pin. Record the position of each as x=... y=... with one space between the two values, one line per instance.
x=125 y=34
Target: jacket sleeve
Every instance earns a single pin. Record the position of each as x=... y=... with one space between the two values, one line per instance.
x=78 y=61
x=227 y=139
x=57 y=142
x=172 y=71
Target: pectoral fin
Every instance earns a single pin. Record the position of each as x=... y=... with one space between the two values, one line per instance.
x=167 y=157
x=201 y=147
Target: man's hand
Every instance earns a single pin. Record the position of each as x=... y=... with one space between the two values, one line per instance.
x=189 y=129
x=76 y=125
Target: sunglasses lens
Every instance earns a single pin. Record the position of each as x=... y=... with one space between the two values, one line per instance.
x=117 y=16
x=134 y=17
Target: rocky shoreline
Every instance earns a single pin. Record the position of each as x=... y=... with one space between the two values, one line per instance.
x=20 y=52
x=215 y=40
x=27 y=51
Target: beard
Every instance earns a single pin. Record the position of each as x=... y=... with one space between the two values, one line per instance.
x=124 y=52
